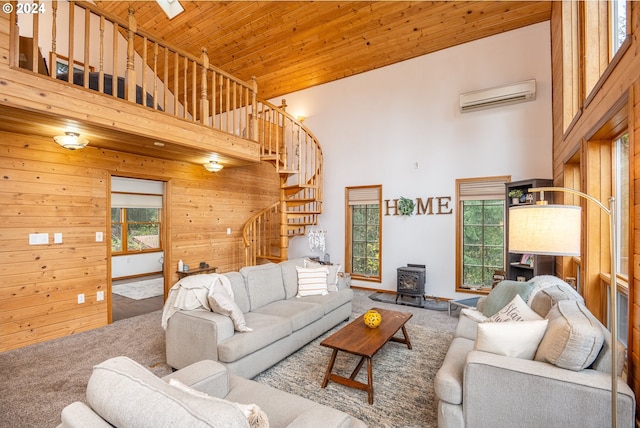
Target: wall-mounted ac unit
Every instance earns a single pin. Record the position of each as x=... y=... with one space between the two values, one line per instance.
x=498 y=96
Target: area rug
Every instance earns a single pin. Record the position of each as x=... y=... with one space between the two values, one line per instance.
x=402 y=379
x=434 y=305
x=140 y=289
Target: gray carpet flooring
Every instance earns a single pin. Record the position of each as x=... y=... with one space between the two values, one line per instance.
x=38 y=381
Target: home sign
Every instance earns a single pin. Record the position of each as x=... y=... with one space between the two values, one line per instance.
x=432 y=205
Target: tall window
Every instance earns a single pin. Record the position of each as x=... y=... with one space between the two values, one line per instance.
x=364 y=232
x=618 y=26
x=480 y=232
x=621 y=169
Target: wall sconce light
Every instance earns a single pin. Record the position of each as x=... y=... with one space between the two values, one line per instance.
x=213 y=166
x=71 y=141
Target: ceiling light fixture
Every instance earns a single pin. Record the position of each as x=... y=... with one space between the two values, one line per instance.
x=213 y=166
x=71 y=141
x=171 y=7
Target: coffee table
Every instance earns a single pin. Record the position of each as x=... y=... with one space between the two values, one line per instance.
x=358 y=339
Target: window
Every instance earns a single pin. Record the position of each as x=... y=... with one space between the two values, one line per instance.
x=618 y=24
x=480 y=232
x=621 y=168
x=364 y=232
x=135 y=230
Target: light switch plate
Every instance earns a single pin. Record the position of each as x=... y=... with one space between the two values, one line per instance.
x=99 y=236
x=100 y=296
x=57 y=238
x=38 y=238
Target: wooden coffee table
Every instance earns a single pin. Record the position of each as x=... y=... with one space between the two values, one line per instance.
x=358 y=339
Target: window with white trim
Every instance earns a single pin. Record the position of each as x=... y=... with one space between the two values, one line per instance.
x=363 y=237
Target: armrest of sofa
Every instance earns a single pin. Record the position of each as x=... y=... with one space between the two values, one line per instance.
x=80 y=415
x=505 y=391
x=193 y=336
x=206 y=376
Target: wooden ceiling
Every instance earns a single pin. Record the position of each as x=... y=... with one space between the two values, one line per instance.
x=289 y=46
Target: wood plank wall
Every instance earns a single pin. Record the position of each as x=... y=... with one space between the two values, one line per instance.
x=47 y=189
x=621 y=84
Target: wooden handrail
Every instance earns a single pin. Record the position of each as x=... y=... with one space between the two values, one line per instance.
x=169 y=80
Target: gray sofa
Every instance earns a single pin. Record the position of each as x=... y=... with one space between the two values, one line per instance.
x=122 y=393
x=282 y=323
x=567 y=383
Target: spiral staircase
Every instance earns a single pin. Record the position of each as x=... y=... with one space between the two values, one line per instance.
x=297 y=157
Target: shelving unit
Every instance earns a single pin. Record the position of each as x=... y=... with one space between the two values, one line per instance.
x=539 y=265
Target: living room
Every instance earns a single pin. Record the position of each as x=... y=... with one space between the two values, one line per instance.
x=354 y=121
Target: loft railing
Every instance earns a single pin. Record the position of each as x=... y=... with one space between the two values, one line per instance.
x=114 y=57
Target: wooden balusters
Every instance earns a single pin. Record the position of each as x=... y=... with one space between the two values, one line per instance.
x=204 y=102
x=72 y=8
x=101 y=63
x=87 y=38
x=53 y=67
x=130 y=76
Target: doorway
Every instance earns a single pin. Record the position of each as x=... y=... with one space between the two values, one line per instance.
x=136 y=250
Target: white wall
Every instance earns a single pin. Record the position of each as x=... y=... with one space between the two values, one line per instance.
x=375 y=127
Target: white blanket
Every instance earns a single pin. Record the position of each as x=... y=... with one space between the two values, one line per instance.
x=190 y=293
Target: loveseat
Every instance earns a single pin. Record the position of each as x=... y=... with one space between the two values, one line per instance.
x=548 y=365
x=283 y=311
x=122 y=393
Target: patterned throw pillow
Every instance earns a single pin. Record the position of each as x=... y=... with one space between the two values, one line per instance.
x=332 y=280
x=515 y=310
x=312 y=282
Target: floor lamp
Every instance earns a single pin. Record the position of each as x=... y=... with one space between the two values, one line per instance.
x=555 y=230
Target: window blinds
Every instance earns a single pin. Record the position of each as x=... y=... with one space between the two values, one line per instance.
x=364 y=195
x=481 y=190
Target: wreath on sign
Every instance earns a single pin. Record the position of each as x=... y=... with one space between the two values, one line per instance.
x=406 y=206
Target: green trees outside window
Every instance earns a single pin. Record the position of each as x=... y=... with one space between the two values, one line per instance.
x=135 y=229
x=366 y=240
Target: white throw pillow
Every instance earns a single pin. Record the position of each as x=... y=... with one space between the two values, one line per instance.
x=516 y=310
x=512 y=339
x=255 y=416
x=312 y=282
x=223 y=304
x=332 y=279
x=474 y=315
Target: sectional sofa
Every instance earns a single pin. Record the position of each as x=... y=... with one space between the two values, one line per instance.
x=281 y=320
x=549 y=368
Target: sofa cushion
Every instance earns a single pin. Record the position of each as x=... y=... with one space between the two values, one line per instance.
x=124 y=393
x=448 y=381
x=516 y=310
x=264 y=284
x=547 y=291
x=255 y=416
x=503 y=293
x=223 y=304
x=267 y=329
x=299 y=313
x=290 y=276
x=574 y=336
x=511 y=339
x=239 y=287
x=331 y=301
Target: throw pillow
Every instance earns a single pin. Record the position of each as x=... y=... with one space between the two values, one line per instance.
x=255 y=416
x=574 y=337
x=223 y=304
x=516 y=310
x=503 y=293
x=332 y=279
x=312 y=282
x=511 y=339
x=547 y=291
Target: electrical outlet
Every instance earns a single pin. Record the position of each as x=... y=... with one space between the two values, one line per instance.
x=99 y=237
x=100 y=296
x=80 y=298
x=228 y=231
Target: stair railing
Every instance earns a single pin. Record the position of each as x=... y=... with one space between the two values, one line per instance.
x=297 y=155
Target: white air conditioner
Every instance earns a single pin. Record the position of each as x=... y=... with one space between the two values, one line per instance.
x=499 y=96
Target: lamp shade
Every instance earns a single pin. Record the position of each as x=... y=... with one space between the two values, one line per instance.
x=552 y=230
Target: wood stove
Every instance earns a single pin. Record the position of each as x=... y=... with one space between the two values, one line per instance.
x=411 y=281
